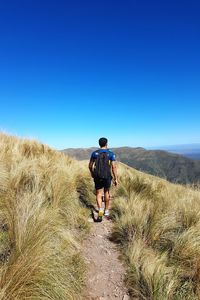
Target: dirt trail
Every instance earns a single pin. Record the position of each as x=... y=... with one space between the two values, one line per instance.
x=105 y=274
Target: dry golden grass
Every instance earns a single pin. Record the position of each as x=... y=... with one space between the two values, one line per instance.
x=158 y=227
x=41 y=222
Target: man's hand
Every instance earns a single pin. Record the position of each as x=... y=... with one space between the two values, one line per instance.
x=115 y=182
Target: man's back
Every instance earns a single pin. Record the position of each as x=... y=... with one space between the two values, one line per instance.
x=95 y=154
x=102 y=166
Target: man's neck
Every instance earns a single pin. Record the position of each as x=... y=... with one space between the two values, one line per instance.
x=104 y=147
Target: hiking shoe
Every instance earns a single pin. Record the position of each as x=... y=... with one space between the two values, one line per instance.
x=100 y=215
x=107 y=213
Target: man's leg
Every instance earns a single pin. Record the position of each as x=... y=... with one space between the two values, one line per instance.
x=99 y=204
x=107 y=198
x=107 y=195
x=99 y=198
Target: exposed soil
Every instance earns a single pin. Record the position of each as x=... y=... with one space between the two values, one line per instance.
x=105 y=276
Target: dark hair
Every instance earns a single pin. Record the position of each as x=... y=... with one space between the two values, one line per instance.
x=102 y=142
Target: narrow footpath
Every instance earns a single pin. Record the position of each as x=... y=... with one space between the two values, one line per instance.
x=105 y=276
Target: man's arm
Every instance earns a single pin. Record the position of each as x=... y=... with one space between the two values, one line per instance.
x=90 y=166
x=114 y=171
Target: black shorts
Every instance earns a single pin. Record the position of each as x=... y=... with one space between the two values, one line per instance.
x=102 y=183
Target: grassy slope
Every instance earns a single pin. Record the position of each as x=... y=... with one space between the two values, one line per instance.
x=41 y=222
x=157 y=225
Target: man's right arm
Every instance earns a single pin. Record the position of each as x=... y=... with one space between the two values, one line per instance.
x=114 y=171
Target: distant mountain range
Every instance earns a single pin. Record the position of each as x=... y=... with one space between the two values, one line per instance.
x=188 y=150
x=171 y=166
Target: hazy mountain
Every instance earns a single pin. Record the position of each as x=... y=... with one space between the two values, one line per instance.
x=189 y=150
x=195 y=156
x=171 y=166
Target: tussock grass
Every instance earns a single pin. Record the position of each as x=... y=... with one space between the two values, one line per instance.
x=157 y=225
x=41 y=222
x=149 y=276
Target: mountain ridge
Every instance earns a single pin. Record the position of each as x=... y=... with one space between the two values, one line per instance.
x=171 y=166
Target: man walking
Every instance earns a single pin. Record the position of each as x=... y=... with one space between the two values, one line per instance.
x=102 y=166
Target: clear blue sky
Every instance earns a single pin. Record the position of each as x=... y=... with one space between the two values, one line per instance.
x=73 y=71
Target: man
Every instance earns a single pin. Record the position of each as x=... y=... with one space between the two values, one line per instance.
x=101 y=163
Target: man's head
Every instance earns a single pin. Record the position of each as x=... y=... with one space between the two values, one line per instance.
x=103 y=142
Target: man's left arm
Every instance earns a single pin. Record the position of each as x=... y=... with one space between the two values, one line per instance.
x=114 y=169
x=90 y=166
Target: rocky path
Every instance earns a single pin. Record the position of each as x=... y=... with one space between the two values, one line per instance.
x=105 y=276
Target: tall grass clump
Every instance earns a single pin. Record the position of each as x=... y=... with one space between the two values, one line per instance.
x=41 y=222
x=157 y=225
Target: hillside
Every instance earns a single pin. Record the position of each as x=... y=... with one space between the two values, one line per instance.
x=44 y=200
x=157 y=225
x=173 y=167
x=41 y=222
